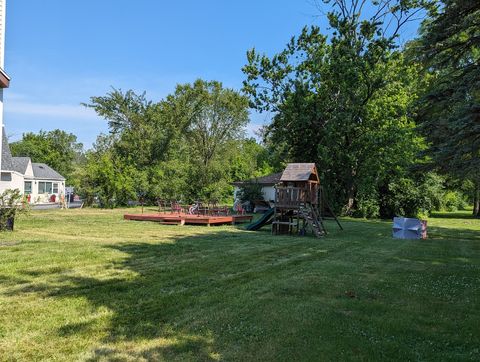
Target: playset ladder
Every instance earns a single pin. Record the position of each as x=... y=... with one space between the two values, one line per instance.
x=313 y=220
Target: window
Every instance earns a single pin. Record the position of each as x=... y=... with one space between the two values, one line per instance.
x=27 y=187
x=44 y=187
x=6 y=176
x=55 y=188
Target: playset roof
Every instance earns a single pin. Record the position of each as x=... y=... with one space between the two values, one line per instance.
x=300 y=172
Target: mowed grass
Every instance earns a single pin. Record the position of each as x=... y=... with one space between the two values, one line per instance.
x=87 y=285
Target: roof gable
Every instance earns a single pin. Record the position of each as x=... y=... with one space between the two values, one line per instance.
x=20 y=164
x=300 y=172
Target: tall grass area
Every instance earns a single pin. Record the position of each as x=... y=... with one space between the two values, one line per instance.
x=87 y=285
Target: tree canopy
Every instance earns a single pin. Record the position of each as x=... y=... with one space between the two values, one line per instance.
x=57 y=148
x=450 y=109
x=183 y=147
x=343 y=100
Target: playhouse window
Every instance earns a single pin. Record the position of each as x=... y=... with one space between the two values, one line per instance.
x=55 y=188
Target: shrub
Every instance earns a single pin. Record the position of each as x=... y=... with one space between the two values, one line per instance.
x=454 y=200
x=11 y=205
x=250 y=192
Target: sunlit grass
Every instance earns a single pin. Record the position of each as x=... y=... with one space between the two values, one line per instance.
x=87 y=285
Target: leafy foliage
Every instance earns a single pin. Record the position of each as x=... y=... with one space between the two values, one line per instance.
x=11 y=205
x=343 y=101
x=188 y=146
x=58 y=149
x=450 y=110
x=250 y=192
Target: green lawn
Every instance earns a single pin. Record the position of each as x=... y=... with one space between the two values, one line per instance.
x=87 y=285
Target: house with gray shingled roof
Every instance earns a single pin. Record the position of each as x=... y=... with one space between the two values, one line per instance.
x=37 y=181
x=266 y=182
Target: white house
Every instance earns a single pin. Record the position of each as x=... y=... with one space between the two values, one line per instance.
x=37 y=181
x=267 y=182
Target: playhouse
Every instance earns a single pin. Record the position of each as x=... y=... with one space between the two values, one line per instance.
x=300 y=204
x=296 y=201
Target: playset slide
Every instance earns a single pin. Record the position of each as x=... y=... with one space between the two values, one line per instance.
x=266 y=219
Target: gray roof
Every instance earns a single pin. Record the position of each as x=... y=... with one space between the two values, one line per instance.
x=300 y=172
x=6 y=154
x=20 y=164
x=268 y=180
x=43 y=171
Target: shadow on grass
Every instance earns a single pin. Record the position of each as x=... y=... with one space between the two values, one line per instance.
x=252 y=295
x=461 y=215
x=453 y=234
x=180 y=295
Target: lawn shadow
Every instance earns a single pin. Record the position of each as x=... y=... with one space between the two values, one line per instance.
x=460 y=215
x=453 y=234
x=205 y=295
x=177 y=293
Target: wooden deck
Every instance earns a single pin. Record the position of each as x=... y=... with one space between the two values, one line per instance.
x=182 y=219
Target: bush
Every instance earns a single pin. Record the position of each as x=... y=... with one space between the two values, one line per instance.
x=367 y=207
x=454 y=200
x=250 y=192
x=414 y=196
x=11 y=205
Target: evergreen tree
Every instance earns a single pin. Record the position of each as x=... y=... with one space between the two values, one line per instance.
x=450 y=110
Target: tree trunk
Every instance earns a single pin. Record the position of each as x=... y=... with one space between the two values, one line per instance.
x=350 y=201
x=476 y=200
x=351 y=193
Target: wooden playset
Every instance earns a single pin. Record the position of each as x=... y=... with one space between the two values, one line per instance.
x=300 y=204
x=296 y=201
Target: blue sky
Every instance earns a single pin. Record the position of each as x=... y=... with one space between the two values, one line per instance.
x=61 y=52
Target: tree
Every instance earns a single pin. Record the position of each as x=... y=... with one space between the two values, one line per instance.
x=58 y=149
x=450 y=110
x=107 y=178
x=177 y=148
x=344 y=100
x=213 y=116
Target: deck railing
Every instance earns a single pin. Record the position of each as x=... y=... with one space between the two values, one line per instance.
x=287 y=196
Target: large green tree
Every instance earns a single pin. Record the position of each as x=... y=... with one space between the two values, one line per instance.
x=215 y=116
x=450 y=110
x=58 y=149
x=182 y=147
x=343 y=100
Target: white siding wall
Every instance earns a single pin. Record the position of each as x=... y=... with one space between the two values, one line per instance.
x=267 y=191
x=44 y=197
x=16 y=182
x=29 y=170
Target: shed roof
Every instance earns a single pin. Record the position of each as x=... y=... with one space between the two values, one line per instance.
x=43 y=171
x=268 y=180
x=300 y=172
